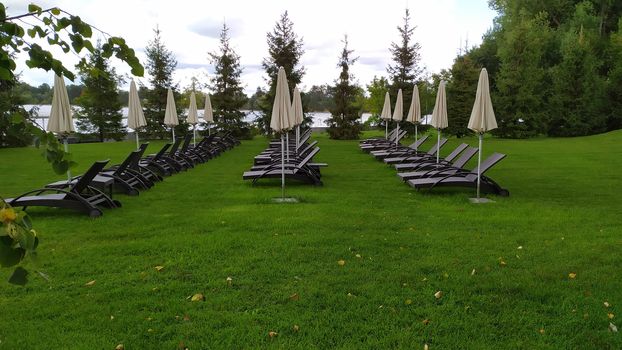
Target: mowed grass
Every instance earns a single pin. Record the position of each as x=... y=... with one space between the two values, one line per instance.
x=400 y=247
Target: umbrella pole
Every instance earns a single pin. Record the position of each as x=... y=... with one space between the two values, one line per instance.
x=137 y=142
x=297 y=138
x=282 y=169
x=416 y=150
x=386 y=129
x=397 y=135
x=438 y=144
x=287 y=143
x=479 y=162
x=173 y=130
x=67 y=151
x=194 y=135
x=209 y=129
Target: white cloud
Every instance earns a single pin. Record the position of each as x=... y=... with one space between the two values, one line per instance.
x=190 y=30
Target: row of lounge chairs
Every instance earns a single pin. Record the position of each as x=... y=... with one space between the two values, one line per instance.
x=420 y=168
x=91 y=191
x=297 y=164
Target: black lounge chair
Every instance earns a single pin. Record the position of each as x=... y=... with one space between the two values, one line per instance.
x=390 y=138
x=158 y=163
x=430 y=168
x=272 y=157
x=465 y=178
x=384 y=144
x=408 y=151
x=149 y=176
x=80 y=196
x=124 y=179
x=422 y=157
x=300 y=171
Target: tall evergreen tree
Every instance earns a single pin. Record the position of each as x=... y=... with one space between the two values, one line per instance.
x=577 y=101
x=161 y=64
x=228 y=96
x=285 y=49
x=100 y=110
x=344 y=122
x=523 y=89
x=461 y=94
x=405 y=71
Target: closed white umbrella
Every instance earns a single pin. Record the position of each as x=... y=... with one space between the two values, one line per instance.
x=398 y=113
x=414 y=113
x=439 y=115
x=208 y=114
x=170 y=116
x=61 y=121
x=386 y=114
x=298 y=115
x=482 y=118
x=280 y=120
x=135 y=115
x=193 y=117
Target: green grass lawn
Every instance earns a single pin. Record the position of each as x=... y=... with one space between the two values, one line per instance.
x=503 y=268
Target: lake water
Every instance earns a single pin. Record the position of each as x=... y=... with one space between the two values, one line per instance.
x=319 y=118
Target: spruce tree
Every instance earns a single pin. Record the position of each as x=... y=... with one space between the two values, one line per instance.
x=461 y=90
x=285 y=49
x=228 y=96
x=161 y=64
x=405 y=71
x=100 y=110
x=344 y=123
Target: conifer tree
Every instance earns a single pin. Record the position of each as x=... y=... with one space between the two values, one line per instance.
x=161 y=64
x=461 y=90
x=344 y=122
x=228 y=96
x=405 y=70
x=285 y=49
x=100 y=110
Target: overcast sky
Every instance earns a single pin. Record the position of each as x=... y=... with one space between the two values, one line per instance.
x=190 y=30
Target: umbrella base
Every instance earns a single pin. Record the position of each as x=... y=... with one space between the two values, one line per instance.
x=284 y=200
x=480 y=200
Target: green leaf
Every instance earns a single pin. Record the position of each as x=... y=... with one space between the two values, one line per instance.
x=10 y=256
x=60 y=167
x=31 y=32
x=6 y=74
x=34 y=8
x=55 y=11
x=19 y=276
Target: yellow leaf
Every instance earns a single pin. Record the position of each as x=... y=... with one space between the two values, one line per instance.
x=159 y=268
x=358 y=256
x=438 y=294
x=88 y=284
x=572 y=275
x=341 y=262
x=502 y=263
x=426 y=347
x=606 y=304
x=610 y=315
x=273 y=334
x=198 y=297
x=294 y=297
x=296 y=328
x=426 y=322
x=229 y=281
x=408 y=302
x=473 y=272
x=613 y=328
x=541 y=330
x=119 y=347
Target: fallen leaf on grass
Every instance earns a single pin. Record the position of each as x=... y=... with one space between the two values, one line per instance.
x=229 y=281
x=520 y=247
x=273 y=334
x=473 y=272
x=438 y=294
x=610 y=315
x=408 y=301
x=502 y=262
x=296 y=328
x=159 y=268
x=88 y=284
x=613 y=328
x=341 y=262
x=606 y=304
x=150 y=330
x=358 y=256
x=119 y=347
x=294 y=297
x=426 y=347
x=198 y=297
x=541 y=331
x=572 y=275
x=426 y=322
x=186 y=318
